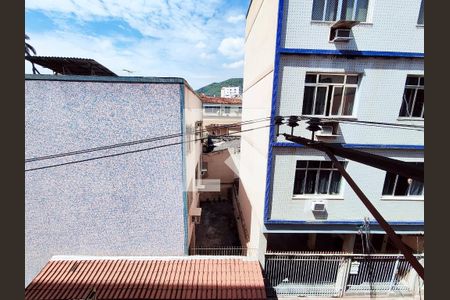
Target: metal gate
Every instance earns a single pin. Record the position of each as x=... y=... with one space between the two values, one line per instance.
x=338 y=274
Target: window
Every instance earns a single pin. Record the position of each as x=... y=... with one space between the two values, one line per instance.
x=413 y=101
x=397 y=185
x=420 y=20
x=199 y=129
x=227 y=109
x=329 y=94
x=333 y=10
x=211 y=110
x=316 y=178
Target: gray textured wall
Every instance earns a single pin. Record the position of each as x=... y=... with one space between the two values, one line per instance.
x=125 y=205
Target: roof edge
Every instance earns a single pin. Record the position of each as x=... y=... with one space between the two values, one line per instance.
x=93 y=78
x=190 y=257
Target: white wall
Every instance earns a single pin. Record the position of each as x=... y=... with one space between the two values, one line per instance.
x=193 y=152
x=257 y=97
x=379 y=95
x=391 y=26
x=346 y=206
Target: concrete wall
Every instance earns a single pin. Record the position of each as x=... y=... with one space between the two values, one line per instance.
x=391 y=26
x=258 y=82
x=347 y=206
x=378 y=98
x=193 y=113
x=219 y=166
x=124 y=205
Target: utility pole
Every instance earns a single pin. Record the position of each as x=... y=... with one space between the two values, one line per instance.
x=377 y=161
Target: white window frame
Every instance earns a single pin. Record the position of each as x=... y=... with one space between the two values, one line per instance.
x=339 y=11
x=211 y=114
x=421 y=10
x=416 y=88
x=399 y=197
x=327 y=85
x=316 y=195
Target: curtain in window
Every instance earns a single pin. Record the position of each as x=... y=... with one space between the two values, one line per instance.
x=416 y=188
x=324 y=178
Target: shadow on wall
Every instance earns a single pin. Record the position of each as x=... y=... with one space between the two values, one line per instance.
x=246 y=209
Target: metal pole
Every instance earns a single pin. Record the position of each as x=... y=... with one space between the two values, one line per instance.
x=376 y=161
x=385 y=225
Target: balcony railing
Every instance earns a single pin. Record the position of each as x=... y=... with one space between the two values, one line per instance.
x=223 y=251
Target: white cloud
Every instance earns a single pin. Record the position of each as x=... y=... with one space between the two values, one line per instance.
x=200 y=45
x=234 y=65
x=235 y=19
x=181 y=38
x=232 y=46
x=205 y=55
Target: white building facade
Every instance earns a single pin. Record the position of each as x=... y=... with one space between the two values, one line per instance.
x=293 y=67
x=230 y=92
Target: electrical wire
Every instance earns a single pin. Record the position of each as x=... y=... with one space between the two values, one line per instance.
x=136 y=142
x=368 y=123
x=132 y=151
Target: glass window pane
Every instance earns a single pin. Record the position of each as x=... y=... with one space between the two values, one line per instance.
x=422 y=81
x=335 y=182
x=331 y=78
x=401 y=189
x=310 y=78
x=326 y=164
x=313 y=164
x=412 y=80
x=420 y=20
x=361 y=10
x=299 y=183
x=352 y=79
x=418 y=105
x=310 y=182
x=416 y=188
x=308 y=100
x=320 y=101
x=336 y=101
x=227 y=109
x=347 y=10
x=349 y=99
x=324 y=177
x=407 y=102
x=301 y=163
x=317 y=11
x=331 y=10
x=389 y=183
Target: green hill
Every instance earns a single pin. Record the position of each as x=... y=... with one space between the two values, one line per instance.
x=213 y=89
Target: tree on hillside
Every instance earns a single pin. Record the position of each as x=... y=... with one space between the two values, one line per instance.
x=28 y=50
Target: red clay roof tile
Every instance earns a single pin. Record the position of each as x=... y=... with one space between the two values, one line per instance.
x=148 y=279
x=219 y=100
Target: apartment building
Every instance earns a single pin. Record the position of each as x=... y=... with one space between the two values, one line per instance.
x=353 y=62
x=136 y=198
x=230 y=92
x=218 y=112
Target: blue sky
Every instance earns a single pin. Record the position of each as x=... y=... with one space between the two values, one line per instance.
x=199 y=40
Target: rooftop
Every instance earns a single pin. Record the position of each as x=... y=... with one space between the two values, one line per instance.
x=71 y=65
x=219 y=100
x=181 y=277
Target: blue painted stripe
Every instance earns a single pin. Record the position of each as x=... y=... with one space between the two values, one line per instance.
x=339 y=222
x=357 y=146
x=273 y=108
x=355 y=53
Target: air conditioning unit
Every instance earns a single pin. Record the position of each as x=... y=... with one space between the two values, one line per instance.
x=318 y=206
x=340 y=35
x=196 y=213
x=326 y=130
